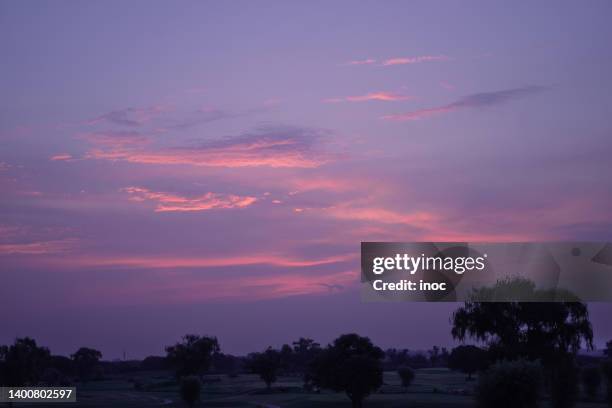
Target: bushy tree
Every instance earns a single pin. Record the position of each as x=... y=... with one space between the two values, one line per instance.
x=351 y=364
x=22 y=363
x=193 y=355
x=468 y=359
x=266 y=365
x=85 y=360
x=190 y=389
x=591 y=380
x=514 y=384
x=531 y=330
x=406 y=375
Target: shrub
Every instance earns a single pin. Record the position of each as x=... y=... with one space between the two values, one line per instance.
x=591 y=380
x=406 y=374
x=190 y=389
x=513 y=384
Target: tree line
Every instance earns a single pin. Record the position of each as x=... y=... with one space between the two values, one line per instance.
x=525 y=352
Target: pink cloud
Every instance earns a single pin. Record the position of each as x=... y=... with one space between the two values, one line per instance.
x=170 y=262
x=300 y=185
x=167 y=202
x=419 y=114
x=380 y=215
x=414 y=60
x=372 y=96
x=61 y=157
x=283 y=147
x=367 y=61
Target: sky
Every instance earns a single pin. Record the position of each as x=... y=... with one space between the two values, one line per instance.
x=212 y=167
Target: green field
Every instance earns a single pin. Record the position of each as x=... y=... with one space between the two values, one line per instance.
x=432 y=387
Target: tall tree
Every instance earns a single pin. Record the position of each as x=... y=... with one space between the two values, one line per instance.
x=193 y=355
x=351 y=364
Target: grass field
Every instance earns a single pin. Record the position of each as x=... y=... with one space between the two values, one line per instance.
x=439 y=388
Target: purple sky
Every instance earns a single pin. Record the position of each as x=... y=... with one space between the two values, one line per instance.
x=212 y=167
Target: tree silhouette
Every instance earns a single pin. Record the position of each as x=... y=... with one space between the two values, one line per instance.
x=533 y=330
x=406 y=375
x=468 y=359
x=85 y=360
x=266 y=365
x=193 y=355
x=304 y=352
x=22 y=363
x=351 y=364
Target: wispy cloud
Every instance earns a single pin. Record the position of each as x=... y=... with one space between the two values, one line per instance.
x=61 y=157
x=214 y=288
x=372 y=96
x=367 y=61
x=162 y=117
x=115 y=139
x=269 y=147
x=38 y=248
x=300 y=185
x=200 y=117
x=129 y=116
x=162 y=262
x=399 y=60
x=414 y=60
x=168 y=202
x=379 y=215
x=475 y=101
